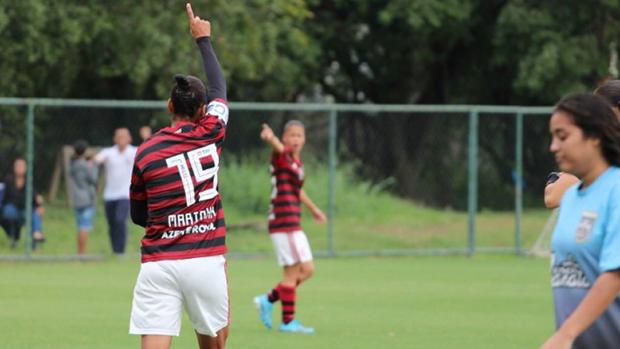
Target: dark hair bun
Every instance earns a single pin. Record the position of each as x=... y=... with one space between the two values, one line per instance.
x=182 y=81
x=187 y=95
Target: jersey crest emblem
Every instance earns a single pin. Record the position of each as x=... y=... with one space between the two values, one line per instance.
x=585 y=227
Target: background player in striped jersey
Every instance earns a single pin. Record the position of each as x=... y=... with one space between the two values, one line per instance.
x=174 y=195
x=290 y=243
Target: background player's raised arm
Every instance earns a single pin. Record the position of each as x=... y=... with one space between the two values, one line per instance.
x=201 y=32
x=270 y=138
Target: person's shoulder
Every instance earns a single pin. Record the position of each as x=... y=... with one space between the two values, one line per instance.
x=613 y=181
x=76 y=162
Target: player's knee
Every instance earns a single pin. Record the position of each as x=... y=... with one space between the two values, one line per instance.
x=307 y=270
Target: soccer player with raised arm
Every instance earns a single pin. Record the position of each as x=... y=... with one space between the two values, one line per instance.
x=290 y=243
x=174 y=195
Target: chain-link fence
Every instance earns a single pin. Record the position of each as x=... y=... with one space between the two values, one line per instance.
x=392 y=179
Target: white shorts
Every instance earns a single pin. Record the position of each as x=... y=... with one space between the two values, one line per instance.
x=291 y=248
x=164 y=288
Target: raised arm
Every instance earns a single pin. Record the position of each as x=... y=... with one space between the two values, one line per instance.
x=270 y=138
x=201 y=32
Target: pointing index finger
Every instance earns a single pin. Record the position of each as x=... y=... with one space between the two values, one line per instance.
x=190 y=12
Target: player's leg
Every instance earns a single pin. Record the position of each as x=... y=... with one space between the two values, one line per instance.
x=302 y=247
x=284 y=255
x=157 y=306
x=306 y=270
x=205 y=291
x=293 y=276
x=290 y=275
x=208 y=342
x=156 y=342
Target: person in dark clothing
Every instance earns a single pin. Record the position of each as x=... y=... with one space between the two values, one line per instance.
x=13 y=205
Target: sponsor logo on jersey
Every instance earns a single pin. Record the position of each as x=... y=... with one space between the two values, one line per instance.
x=195 y=229
x=569 y=274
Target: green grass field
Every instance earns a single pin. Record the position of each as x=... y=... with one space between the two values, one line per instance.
x=409 y=302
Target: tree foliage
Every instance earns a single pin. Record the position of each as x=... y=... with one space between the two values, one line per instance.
x=522 y=52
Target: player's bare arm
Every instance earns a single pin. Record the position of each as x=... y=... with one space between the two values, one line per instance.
x=318 y=215
x=271 y=139
x=555 y=190
x=600 y=296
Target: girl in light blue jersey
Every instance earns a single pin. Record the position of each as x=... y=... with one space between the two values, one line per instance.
x=586 y=241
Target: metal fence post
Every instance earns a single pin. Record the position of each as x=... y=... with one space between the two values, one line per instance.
x=29 y=188
x=331 y=195
x=518 y=181
x=472 y=194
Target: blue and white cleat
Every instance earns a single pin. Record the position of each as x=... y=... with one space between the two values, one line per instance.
x=295 y=327
x=265 y=308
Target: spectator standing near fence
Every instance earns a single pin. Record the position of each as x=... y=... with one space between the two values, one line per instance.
x=118 y=163
x=83 y=177
x=585 y=271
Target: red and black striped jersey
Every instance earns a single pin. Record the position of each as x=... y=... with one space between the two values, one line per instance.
x=175 y=172
x=287 y=178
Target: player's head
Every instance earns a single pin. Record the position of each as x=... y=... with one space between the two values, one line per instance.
x=610 y=90
x=19 y=167
x=187 y=98
x=585 y=132
x=294 y=135
x=122 y=137
x=79 y=147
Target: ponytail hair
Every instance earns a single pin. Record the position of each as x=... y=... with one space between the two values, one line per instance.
x=188 y=95
x=610 y=90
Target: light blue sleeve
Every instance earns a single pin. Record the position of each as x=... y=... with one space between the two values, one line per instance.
x=610 y=250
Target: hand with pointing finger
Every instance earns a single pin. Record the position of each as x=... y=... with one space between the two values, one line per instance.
x=266 y=134
x=198 y=27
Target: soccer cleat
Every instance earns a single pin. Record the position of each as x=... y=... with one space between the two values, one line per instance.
x=295 y=327
x=265 y=309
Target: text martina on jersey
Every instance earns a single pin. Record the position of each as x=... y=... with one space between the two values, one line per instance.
x=185 y=219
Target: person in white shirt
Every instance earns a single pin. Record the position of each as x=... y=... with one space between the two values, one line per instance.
x=118 y=161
